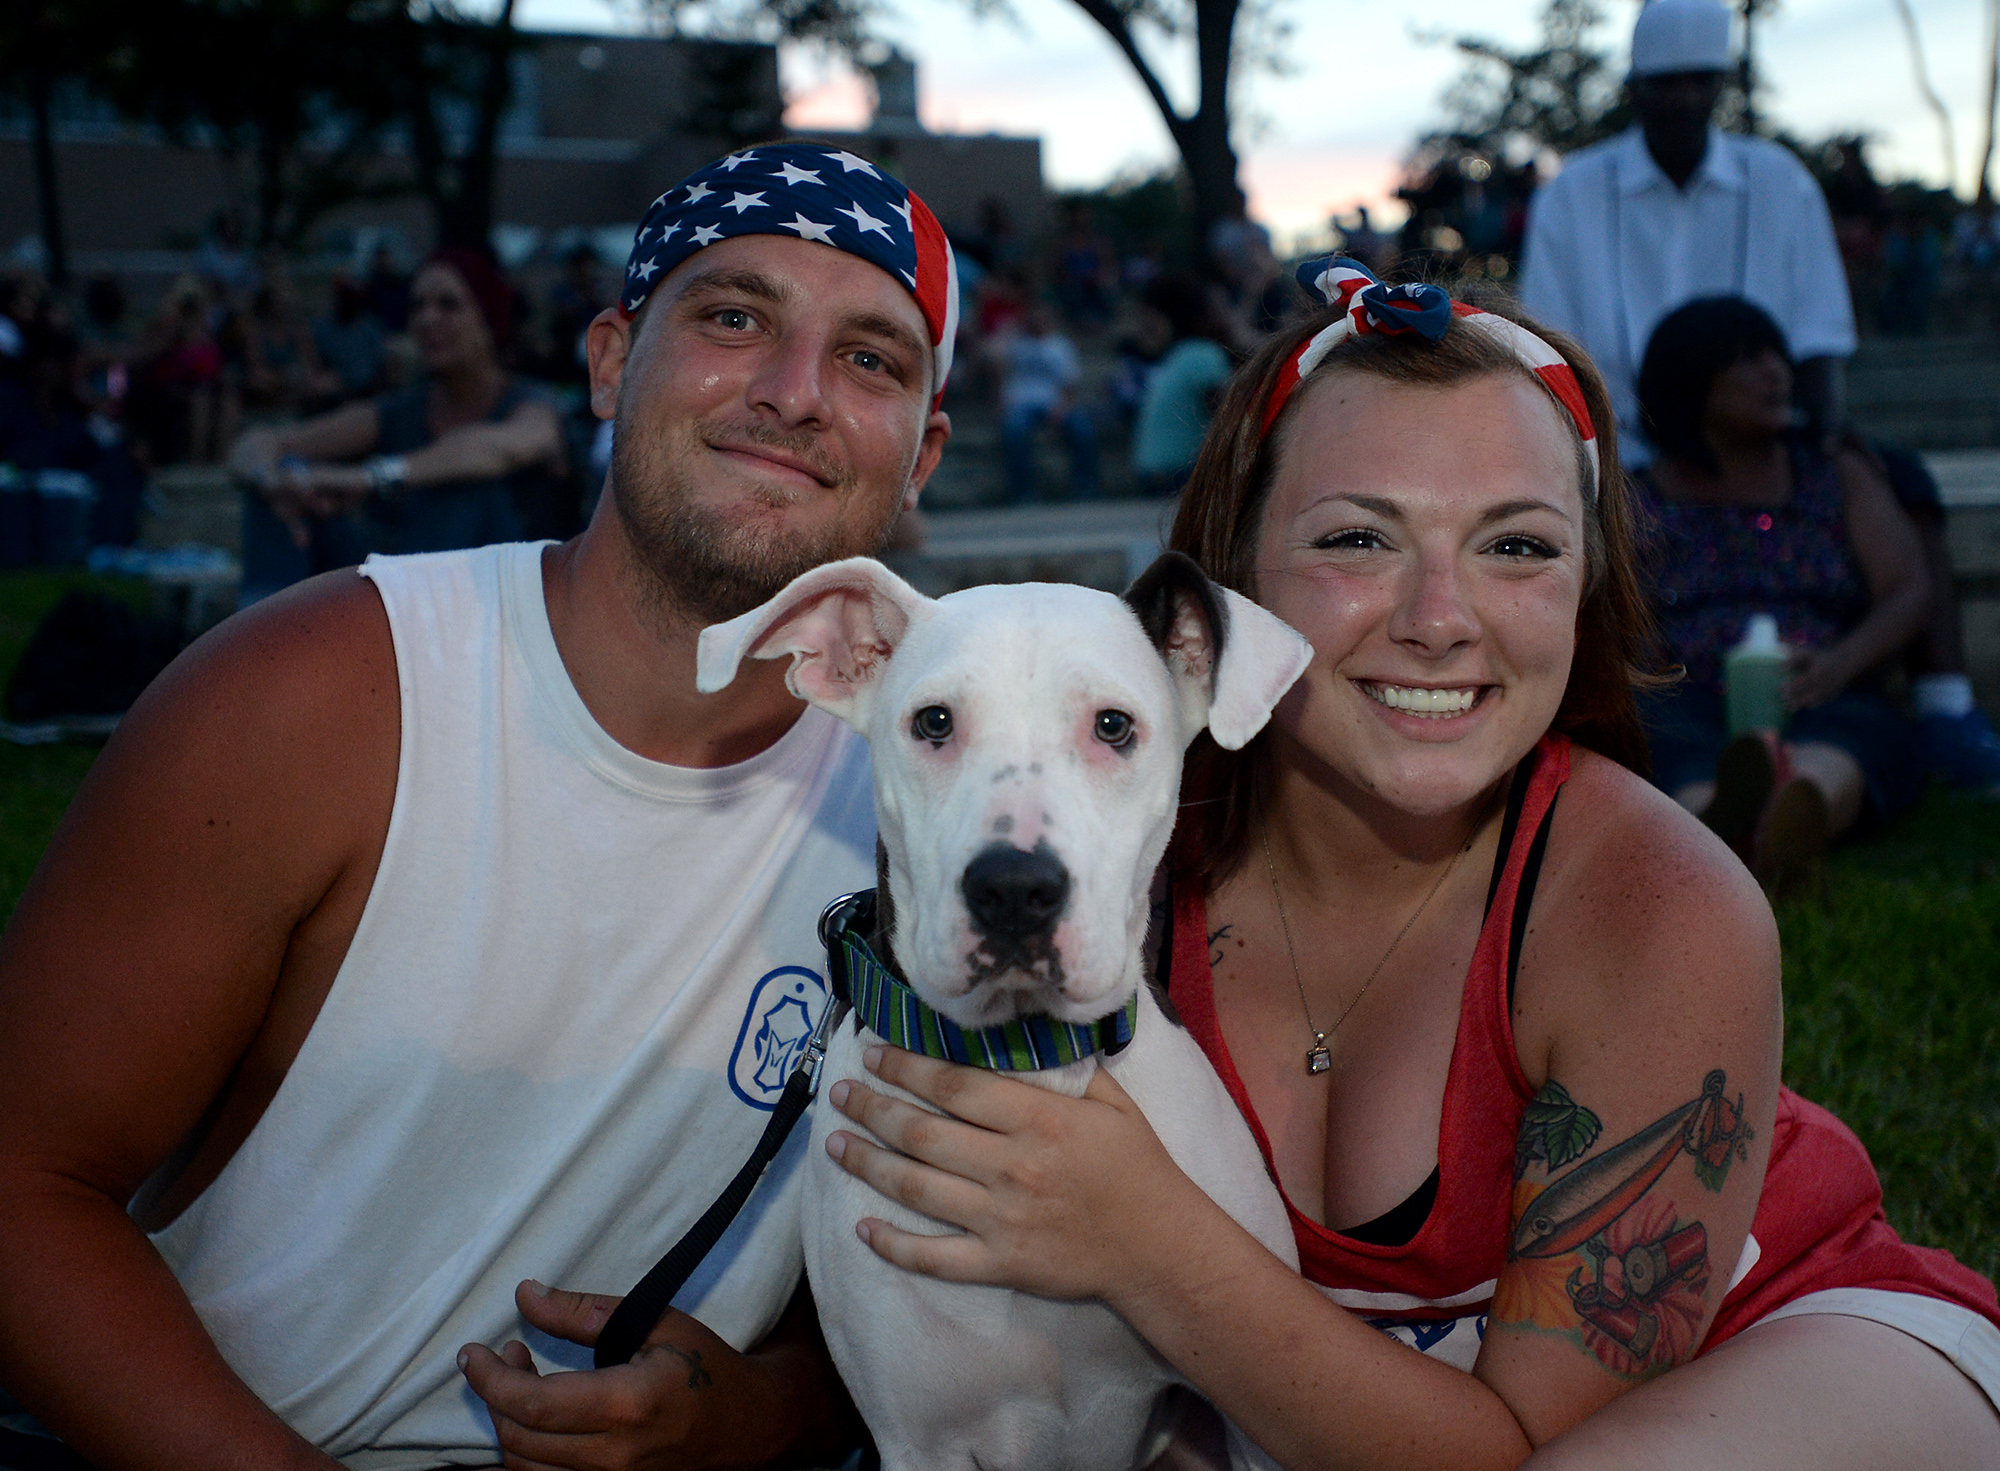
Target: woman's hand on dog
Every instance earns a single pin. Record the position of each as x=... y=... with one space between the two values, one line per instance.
x=1061 y=1197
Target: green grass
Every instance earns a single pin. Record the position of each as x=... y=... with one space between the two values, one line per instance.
x=1892 y=1016
x=36 y=782
x=1892 y=976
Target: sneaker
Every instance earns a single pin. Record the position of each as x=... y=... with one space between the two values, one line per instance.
x=1749 y=769
x=1963 y=751
x=1793 y=835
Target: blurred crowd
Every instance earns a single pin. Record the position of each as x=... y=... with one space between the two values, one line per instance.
x=1107 y=350
x=409 y=407
x=100 y=387
x=1097 y=365
x=1919 y=261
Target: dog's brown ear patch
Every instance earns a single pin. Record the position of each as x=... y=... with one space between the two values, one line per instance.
x=1183 y=615
x=1230 y=660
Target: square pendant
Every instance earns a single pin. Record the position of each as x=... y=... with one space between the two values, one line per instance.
x=1318 y=1059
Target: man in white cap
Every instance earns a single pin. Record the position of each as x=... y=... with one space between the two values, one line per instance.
x=1674 y=209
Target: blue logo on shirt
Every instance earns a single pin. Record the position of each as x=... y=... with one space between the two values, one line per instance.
x=784 y=1008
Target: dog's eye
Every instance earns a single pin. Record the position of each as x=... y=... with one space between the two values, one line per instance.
x=933 y=724
x=1114 y=727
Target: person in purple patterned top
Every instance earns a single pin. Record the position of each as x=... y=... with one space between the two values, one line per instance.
x=1749 y=517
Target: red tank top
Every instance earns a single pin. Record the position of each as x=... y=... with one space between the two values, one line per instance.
x=1819 y=1223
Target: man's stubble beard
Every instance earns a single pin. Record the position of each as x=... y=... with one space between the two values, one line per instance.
x=692 y=562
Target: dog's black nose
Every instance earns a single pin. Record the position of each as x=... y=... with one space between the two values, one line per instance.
x=1015 y=894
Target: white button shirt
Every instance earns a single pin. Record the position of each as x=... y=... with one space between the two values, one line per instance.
x=1612 y=247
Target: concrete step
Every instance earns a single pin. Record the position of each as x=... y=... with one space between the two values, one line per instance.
x=1102 y=544
x=1969 y=484
x=1939 y=427
x=1930 y=394
x=198 y=503
x=1894 y=353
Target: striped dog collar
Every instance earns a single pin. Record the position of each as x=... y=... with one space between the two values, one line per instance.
x=894 y=1012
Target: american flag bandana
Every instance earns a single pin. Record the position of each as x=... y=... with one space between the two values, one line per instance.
x=1368 y=307
x=805 y=191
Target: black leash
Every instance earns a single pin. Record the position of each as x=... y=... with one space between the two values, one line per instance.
x=635 y=1318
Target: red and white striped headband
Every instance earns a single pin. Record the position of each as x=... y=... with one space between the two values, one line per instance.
x=1369 y=307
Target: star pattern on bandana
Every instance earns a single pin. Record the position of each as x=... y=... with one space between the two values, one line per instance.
x=809 y=191
x=865 y=222
x=810 y=229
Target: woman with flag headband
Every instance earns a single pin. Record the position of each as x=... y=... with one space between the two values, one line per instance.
x=1504 y=1019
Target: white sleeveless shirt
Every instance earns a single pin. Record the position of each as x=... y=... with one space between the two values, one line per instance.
x=577 y=989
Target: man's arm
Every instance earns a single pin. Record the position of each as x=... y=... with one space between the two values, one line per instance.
x=181 y=929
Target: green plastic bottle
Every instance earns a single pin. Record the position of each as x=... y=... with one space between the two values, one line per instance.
x=1753 y=678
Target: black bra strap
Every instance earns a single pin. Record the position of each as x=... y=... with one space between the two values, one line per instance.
x=1517 y=797
x=1531 y=872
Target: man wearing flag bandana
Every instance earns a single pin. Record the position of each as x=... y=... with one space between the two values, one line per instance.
x=397 y=945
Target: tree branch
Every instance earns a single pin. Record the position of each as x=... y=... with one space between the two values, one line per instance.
x=1112 y=22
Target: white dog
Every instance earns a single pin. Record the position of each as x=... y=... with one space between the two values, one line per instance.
x=1027 y=744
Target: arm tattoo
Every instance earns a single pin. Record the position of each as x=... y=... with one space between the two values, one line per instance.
x=1555 y=1130
x=1637 y=1282
x=1215 y=944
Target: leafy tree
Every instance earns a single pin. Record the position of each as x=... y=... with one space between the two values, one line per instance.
x=1562 y=93
x=454 y=82
x=41 y=44
x=291 y=92
x=299 y=97
x=1467 y=184
x=1229 y=36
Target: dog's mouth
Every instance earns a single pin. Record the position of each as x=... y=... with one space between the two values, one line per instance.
x=1020 y=974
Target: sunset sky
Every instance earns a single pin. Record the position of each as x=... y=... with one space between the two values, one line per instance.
x=1364 y=85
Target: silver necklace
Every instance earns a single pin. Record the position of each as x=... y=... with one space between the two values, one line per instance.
x=1318 y=1057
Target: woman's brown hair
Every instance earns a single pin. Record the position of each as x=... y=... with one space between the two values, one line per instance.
x=1222 y=511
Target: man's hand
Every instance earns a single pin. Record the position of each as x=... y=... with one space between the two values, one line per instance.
x=687 y=1399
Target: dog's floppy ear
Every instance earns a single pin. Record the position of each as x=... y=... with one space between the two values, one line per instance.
x=839 y=623
x=1231 y=661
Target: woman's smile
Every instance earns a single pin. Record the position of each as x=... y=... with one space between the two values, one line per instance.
x=1429 y=702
